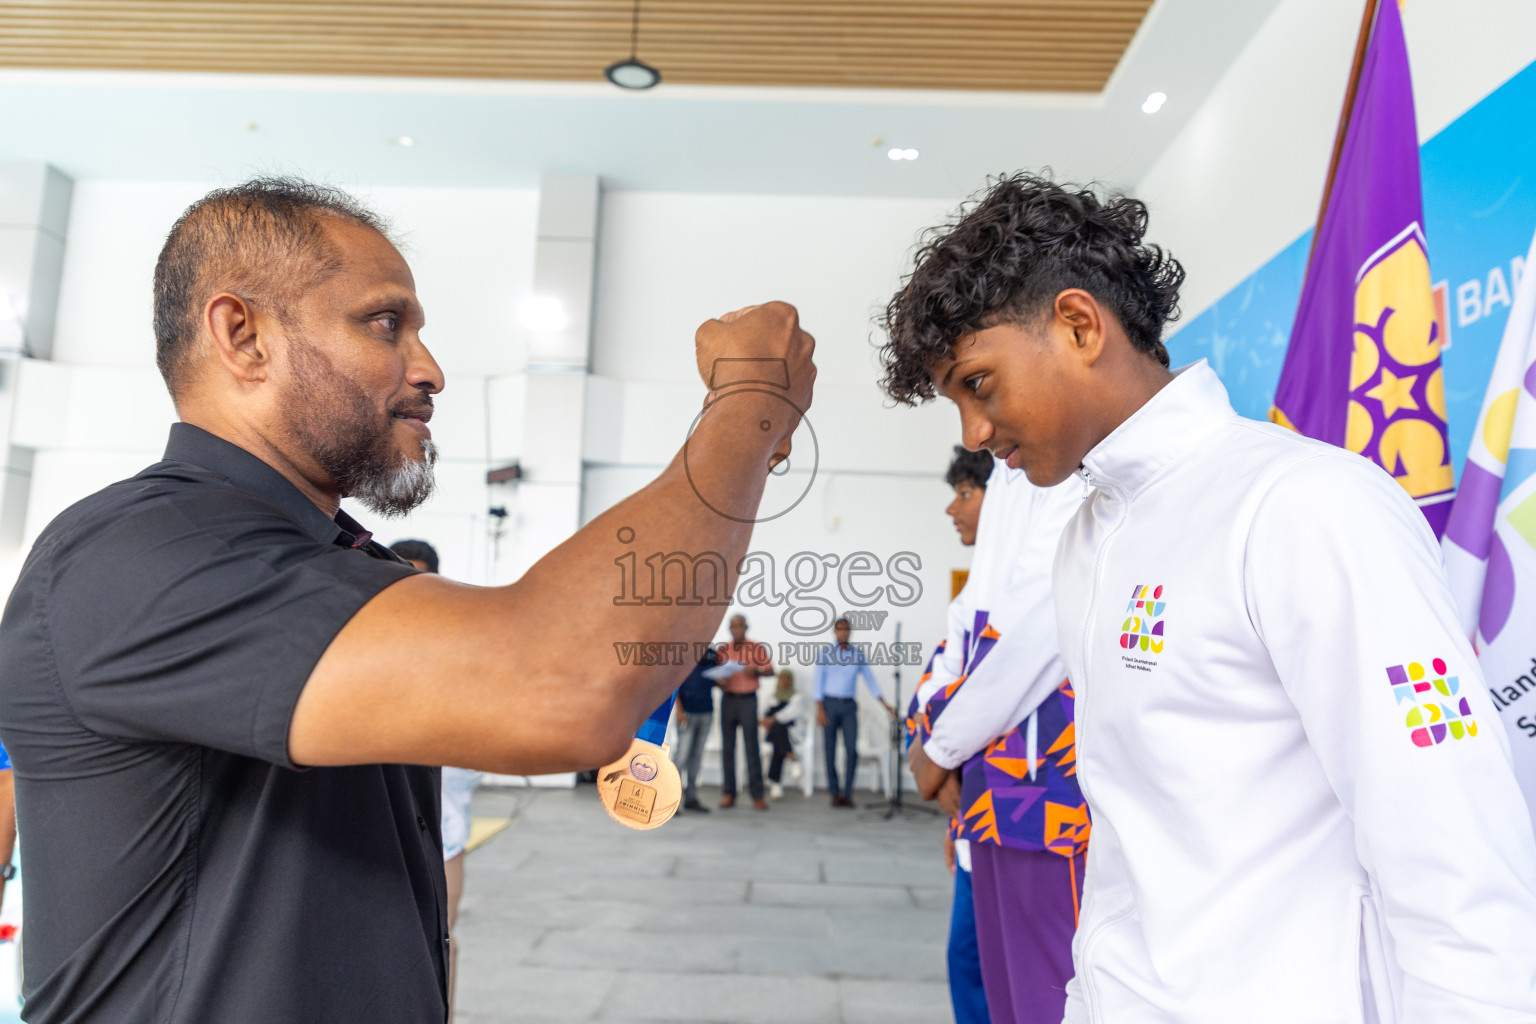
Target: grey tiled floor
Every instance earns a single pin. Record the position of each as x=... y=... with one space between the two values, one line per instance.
x=801 y=914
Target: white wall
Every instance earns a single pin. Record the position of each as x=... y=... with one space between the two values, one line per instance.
x=1245 y=176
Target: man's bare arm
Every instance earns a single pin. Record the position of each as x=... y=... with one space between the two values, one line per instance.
x=525 y=678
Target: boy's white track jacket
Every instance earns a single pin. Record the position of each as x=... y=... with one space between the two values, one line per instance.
x=1303 y=805
x=1016 y=540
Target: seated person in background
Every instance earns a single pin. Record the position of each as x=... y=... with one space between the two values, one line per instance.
x=458 y=789
x=839 y=666
x=695 y=713
x=786 y=710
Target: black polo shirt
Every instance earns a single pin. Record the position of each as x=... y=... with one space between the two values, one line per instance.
x=180 y=868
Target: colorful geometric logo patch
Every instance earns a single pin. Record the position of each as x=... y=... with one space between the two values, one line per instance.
x=1143 y=626
x=1437 y=709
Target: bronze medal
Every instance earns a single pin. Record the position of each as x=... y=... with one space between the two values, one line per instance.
x=642 y=789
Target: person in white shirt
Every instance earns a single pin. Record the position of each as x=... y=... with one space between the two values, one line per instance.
x=1303 y=803
x=1001 y=724
x=967 y=477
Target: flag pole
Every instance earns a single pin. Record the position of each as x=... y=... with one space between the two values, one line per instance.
x=1362 y=44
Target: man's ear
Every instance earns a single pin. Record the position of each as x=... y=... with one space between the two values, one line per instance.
x=237 y=333
x=1078 y=315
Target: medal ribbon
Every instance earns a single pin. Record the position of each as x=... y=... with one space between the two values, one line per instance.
x=655 y=728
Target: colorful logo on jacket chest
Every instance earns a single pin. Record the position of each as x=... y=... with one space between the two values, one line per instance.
x=1143 y=626
x=1436 y=707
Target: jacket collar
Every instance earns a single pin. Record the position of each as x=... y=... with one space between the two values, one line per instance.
x=1002 y=475
x=1159 y=434
x=198 y=447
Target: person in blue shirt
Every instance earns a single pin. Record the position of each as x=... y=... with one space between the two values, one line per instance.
x=838 y=669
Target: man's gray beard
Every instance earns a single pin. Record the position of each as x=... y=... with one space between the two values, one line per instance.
x=395 y=492
x=335 y=423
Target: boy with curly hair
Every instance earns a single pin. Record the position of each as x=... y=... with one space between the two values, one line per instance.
x=1266 y=657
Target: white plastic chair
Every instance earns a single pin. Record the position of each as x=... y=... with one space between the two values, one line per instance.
x=875 y=742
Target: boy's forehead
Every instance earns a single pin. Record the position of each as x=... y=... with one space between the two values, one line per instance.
x=942 y=368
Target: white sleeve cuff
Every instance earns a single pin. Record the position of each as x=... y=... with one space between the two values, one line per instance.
x=945 y=757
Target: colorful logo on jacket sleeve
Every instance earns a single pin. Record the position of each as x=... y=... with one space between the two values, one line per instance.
x=1436 y=708
x=1143 y=626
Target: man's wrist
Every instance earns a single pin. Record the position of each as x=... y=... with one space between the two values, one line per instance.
x=742 y=417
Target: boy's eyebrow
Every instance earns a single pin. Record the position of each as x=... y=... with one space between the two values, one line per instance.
x=954 y=364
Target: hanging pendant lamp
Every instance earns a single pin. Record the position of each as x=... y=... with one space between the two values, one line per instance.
x=633 y=73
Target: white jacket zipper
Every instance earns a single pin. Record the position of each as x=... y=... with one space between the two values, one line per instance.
x=1093 y=600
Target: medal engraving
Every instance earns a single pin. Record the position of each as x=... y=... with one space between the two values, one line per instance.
x=635 y=801
x=642 y=789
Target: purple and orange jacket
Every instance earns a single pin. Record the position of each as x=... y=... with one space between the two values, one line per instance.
x=1001 y=801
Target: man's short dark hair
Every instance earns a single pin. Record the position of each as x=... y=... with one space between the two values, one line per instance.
x=1007 y=258
x=969 y=467
x=263 y=240
x=416 y=551
x=842 y=621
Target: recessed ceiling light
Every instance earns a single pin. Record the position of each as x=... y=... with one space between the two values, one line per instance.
x=1153 y=103
x=405 y=140
x=901 y=154
x=909 y=154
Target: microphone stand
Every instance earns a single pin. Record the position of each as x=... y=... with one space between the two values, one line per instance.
x=894 y=805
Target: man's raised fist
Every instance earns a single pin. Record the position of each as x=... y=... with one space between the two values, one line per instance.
x=760 y=348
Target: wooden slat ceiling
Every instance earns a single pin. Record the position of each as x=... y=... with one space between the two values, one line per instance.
x=1044 y=45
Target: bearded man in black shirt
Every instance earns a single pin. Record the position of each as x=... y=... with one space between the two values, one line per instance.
x=216 y=687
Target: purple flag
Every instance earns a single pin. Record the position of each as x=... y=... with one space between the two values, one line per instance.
x=1363 y=367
